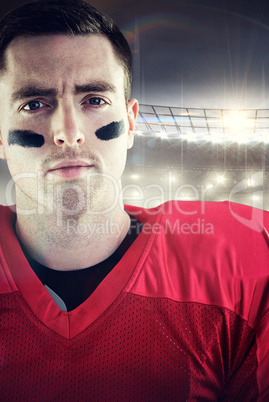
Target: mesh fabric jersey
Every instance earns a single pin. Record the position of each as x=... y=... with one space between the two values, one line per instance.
x=183 y=316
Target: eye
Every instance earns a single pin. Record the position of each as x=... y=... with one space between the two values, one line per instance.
x=33 y=105
x=95 y=101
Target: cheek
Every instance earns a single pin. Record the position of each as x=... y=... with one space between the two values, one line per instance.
x=23 y=160
x=18 y=160
x=114 y=155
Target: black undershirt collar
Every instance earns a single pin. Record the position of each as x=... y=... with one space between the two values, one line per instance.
x=71 y=288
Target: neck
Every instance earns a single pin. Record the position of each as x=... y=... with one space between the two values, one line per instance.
x=77 y=241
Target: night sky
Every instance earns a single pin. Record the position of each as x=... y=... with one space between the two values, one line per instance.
x=201 y=53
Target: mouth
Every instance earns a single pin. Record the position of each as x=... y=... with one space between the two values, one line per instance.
x=70 y=169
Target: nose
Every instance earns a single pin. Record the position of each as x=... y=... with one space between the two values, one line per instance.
x=65 y=127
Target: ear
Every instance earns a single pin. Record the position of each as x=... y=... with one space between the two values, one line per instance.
x=132 y=115
x=2 y=151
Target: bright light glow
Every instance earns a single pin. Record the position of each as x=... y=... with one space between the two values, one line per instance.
x=235 y=120
x=214 y=125
x=162 y=134
x=171 y=178
x=209 y=186
x=237 y=126
x=192 y=137
x=250 y=182
x=135 y=176
x=217 y=138
x=221 y=179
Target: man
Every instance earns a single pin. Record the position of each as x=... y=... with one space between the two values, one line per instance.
x=101 y=301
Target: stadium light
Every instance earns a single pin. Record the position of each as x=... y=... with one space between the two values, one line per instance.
x=237 y=125
x=162 y=134
x=195 y=125
x=221 y=179
x=235 y=121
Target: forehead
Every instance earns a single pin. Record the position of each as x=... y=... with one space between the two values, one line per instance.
x=62 y=60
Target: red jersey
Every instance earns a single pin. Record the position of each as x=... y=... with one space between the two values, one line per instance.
x=183 y=316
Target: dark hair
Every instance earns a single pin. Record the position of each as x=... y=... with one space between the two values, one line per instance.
x=71 y=17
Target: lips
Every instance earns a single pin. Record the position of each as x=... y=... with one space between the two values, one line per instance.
x=70 y=169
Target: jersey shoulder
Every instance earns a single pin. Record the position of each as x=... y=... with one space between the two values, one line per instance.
x=211 y=253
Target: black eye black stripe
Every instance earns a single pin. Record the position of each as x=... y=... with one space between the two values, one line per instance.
x=110 y=131
x=30 y=139
x=24 y=138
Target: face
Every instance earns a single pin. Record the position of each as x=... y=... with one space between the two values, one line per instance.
x=63 y=114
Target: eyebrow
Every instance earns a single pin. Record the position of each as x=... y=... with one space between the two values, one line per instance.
x=97 y=86
x=31 y=91
x=34 y=91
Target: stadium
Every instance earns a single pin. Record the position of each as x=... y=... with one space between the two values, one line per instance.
x=206 y=154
